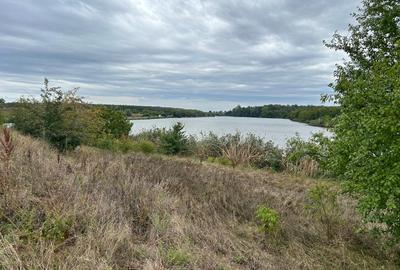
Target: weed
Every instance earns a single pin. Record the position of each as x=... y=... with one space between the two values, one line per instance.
x=177 y=257
x=56 y=228
x=268 y=219
x=239 y=259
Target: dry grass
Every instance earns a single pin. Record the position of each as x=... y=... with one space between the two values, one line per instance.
x=6 y=150
x=99 y=210
x=239 y=153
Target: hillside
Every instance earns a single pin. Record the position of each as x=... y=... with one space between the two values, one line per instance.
x=100 y=210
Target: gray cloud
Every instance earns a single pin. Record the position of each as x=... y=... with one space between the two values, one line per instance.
x=188 y=53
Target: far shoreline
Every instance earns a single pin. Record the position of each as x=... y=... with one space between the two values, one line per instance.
x=170 y=117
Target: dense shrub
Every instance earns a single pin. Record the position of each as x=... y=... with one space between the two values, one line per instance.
x=237 y=149
x=271 y=157
x=209 y=146
x=174 y=141
x=152 y=135
x=144 y=146
x=307 y=157
x=125 y=145
x=114 y=123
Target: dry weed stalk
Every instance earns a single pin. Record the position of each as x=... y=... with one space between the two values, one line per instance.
x=7 y=145
x=5 y=156
x=240 y=153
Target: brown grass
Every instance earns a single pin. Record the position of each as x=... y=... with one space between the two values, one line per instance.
x=99 y=210
x=6 y=150
x=239 y=153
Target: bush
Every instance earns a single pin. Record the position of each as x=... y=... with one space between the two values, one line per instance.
x=144 y=146
x=240 y=150
x=209 y=146
x=152 y=135
x=56 y=228
x=307 y=157
x=173 y=141
x=271 y=157
x=323 y=205
x=123 y=145
x=268 y=219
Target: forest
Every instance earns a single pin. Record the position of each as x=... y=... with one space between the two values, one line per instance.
x=312 y=115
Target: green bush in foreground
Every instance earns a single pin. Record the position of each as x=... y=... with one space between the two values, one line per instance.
x=268 y=219
x=366 y=149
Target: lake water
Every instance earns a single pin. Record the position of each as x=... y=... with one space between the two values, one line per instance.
x=276 y=130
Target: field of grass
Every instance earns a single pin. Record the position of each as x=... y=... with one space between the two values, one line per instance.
x=94 y=209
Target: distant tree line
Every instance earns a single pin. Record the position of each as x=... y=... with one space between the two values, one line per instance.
x=137 y=112
x=313 y=115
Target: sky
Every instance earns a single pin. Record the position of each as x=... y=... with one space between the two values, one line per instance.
x=203 y=54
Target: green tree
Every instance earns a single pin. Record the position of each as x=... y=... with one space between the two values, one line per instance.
x=27 y=117
x=61 y=118
x=366 y=148
x=115 y=123
x=174 y=141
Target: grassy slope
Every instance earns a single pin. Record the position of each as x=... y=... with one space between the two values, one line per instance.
x=98 y=210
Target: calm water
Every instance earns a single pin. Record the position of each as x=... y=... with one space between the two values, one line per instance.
x=276 y=130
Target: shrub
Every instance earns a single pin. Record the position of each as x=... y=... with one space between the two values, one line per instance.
x=152 y=135
x=174 y=140
x=241 y=150
x=209 y=146
x=323 y=205
x=268 y=219
x=271 y=157
x=307 y=157
x=144 y=146
x=56 y=228
x=123 y=145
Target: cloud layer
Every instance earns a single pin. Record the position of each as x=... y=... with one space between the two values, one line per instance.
x=205 y=54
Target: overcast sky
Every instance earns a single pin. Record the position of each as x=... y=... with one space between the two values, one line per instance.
x=205 y=54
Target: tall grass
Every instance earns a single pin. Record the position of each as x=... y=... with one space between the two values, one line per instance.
x=104 y=210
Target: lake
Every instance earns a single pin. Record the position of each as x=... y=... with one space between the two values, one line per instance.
x=276 y=130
